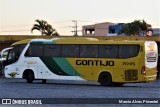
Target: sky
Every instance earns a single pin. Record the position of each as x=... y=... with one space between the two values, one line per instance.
x=18 y=16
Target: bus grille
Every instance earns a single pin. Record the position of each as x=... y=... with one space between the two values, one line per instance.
x=131 y=75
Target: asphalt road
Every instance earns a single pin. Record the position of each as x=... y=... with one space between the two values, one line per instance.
x=18 y=88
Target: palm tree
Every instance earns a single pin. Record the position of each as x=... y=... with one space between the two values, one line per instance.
x=50 y=31
x=44 y=28
x=41 y=26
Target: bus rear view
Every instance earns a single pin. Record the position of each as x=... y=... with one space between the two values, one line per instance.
x=149 y=70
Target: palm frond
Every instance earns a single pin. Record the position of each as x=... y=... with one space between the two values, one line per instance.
x=39 y=22
x=44 y=28
x=35 y=28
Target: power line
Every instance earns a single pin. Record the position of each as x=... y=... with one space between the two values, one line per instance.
x=87 y=21
x=26 y=25
x=75 y=28
x=14 y=26
x=14 y=31
x=30 y=30
x=32 y=25
x=63 y=27
x=62 y=21
x=51 y=22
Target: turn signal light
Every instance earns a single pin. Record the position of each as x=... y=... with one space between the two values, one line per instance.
x=143 y=72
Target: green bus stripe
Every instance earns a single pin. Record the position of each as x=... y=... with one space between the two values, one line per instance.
x=53 y=66
x=66 y=66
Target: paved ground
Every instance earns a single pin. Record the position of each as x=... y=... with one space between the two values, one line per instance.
x=18 y=88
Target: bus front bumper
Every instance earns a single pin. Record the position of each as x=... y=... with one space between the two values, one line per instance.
x=150 y=78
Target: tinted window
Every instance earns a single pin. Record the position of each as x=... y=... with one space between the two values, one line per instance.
x=70 y=51
x=18 y=49
x=52 y=50
x=127 y=51
x=88 y=51
x=83 y=51
x=35 y=50
x=108 y=51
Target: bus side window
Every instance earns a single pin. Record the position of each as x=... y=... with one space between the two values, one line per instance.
x=70 y=50
x=88 y=51
x=128 y=51
x=52 y=50
x=28 y=52
x=108 y=51
x=35 y=50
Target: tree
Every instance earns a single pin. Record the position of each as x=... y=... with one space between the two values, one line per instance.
x=50 y=31
x=41 y=26
x=44 y=28
x=134 y=28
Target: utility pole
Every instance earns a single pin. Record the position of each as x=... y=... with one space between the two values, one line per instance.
x=75 y=28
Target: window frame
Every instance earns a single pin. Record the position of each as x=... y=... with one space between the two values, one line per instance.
x=26 y=53
x=79 y=50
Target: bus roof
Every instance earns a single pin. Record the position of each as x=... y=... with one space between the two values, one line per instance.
x=21 y=42
x=75 y=40
x=82 y=41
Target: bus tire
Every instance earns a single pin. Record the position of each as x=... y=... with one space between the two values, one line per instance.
x=30 y=77
x=44 y=81
x=105 y=79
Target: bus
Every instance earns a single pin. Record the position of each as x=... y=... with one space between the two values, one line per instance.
x=109 y=62
x=4 y=53
x=18 y=47
x=3 y=56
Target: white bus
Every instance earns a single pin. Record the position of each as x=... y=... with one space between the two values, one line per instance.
x=3 y=57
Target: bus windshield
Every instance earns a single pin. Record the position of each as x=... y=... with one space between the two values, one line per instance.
x=11 y=57
x=4 y=53
x=11 y=54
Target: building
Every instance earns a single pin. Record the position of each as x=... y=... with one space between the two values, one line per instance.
x=114 y=30
x=99 y=29
x=156 y=31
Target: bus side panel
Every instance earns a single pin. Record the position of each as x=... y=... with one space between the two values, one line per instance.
x=90 y=68
x=126 y=70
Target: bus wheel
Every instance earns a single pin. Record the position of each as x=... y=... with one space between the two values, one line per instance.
x=105 y=79
x=30 y=77
x=44 y=81
x=116 y=84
